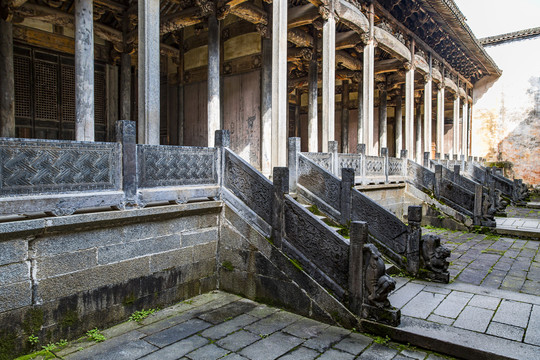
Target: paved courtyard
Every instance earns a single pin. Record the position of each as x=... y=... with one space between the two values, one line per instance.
x=220 y=325
x=492 y=261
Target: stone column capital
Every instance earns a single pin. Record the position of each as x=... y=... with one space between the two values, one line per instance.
x=428 y=77
x=408 y=65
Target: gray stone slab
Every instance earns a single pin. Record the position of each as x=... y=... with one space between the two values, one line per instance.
x=403 y=295
x=422 y=305
x=333 y=354
x=437 y=290
x=235 y=357
x=473 y=318
x=413 y=354
x=486 y=302
x=532 y=335
x=199 y=237
x=440 y=319
x=272 y=323
x=177 y=349
x=354 y=343
x=126 y=347
x=513 y=313
x=271 y=347
x=328 y=338
x=238 y=340
x=306 y=328
x=208 y=352
x=453 y=304
x=13 y=251
x=227 y=312
x=378 y=352
x=302 y=353
x=114 y=253
x=506 y=331
x=15 y=296
x=177 y=332
x=262 y=311
x=227 y=327
x=13 y=273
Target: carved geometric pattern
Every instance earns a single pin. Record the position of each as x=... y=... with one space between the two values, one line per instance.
x=161 y=165
x=395 y=166
x=383 y=225
x=45 y=166
x=319 y=182
x=374 y=166
x=316 y=242
x=324 y=160
x=457 y=195
x=351 y=161
x=248 y=185
x=420 y=176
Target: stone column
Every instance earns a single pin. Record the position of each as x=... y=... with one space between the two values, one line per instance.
x=409 y=109
x=328 y=77
x=279 y=83
x=383 y=118
x=360 y=125
x=266 y=107
x=440 y=118
x=427 y=113
x=84 y=70
x=418 y=122
x=345 y=117
x=399 y=123
x=464 y=128
x=125 y=86
x=7 y=85
x=149 y=84
x=214 y=106
x=313 y=78
x=455 y=126
x=369 y=88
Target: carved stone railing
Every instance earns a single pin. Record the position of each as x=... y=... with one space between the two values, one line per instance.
x=61 y=177
x=421 y=177
x=368 y=169
x=58 y=177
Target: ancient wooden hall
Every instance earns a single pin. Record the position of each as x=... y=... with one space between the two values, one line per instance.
x=388 y=74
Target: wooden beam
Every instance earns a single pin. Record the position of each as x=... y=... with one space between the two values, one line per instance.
x=299 y=53
x=302 y=15
x=348 y=61
x=112 y=5
x=299 y=38
x=251 y=13
x=347 y=40
x=180 y=20
x=386 y=66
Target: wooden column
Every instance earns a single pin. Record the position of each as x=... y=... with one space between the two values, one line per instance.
x=7 y=85
x=297 y=107
x=279 y=84
x=368 y=81
x=313 y=143
x=440 y=118
x=328 y=77
x=149 y=76
x=399 y=122
x=266 y=107
x=112 y=100
x=214 y=106
x=427 y=112
x=383 y=116
x=84 y=70
x=345 y=117
x=455 y=126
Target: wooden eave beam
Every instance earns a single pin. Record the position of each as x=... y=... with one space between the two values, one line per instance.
x=180 y=20
x=351 y=16
x=348 y=61
x=111 y=5
x=251 y=13
x=347 y=40
x=387 y=66
x=301 y=15
x=299 y=38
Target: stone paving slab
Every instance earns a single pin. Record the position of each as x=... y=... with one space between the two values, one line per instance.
x=187 y=333
x=492 y=261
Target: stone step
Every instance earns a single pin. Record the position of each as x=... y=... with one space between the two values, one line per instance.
x=461 y=343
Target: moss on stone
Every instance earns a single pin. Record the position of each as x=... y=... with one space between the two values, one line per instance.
x=227 y=265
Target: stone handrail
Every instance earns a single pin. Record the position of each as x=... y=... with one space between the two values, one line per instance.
x=421 y=177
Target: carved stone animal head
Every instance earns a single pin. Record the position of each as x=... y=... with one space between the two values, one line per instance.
x=434 y=254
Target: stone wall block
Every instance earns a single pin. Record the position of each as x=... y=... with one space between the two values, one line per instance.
x=93 y=278
x=71 y=242
x=15 y=296
x=65 y=263
x=148 y=230
x=120 y=252
x=205 y=251
x=13 y=251
x=171 y=259
x=13 y=273
x=198 y=237
x=231 y=239
x=208 y=220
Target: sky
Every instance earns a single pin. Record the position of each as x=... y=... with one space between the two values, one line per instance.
x=494 y=17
